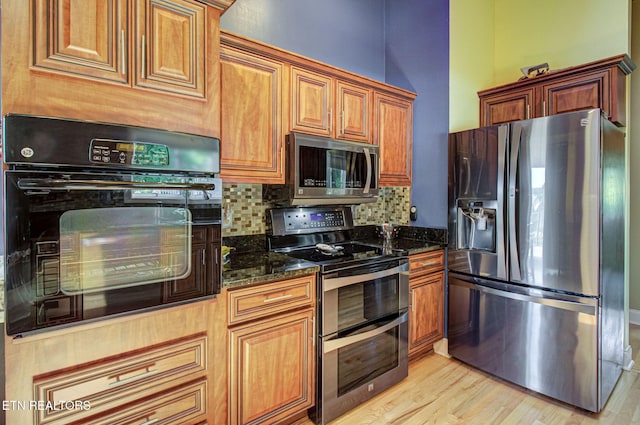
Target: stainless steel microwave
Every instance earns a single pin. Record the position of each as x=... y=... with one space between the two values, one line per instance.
x=327 y=171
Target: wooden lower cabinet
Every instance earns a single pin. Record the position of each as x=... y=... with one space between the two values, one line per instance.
x=156 y=367
x=272 y=358
x=426 y=313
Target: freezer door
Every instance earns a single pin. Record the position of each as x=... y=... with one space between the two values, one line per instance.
x=536 y=339
x=554 y=202
x=477 y=175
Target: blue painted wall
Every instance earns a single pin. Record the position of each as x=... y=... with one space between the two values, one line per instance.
x=401 y=42
x=348 y=34
x=417 y=58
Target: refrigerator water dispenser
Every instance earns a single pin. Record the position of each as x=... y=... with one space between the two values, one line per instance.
x=476 y=225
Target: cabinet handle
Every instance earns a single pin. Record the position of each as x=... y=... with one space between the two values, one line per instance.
x=281 y=297
x=122 y=52
x=342 y=122
x=150 y=421
x=133 y=378
x=413 y=304
x=544 y=108
x=313 y=331
x=216 y=255
x=330 y=120
x=429 y=263
x=144 y=58
x=204 y=258
x=528 y=109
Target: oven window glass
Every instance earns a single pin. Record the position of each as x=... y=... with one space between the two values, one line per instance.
x=109 y=248
x=367 y=301
x=334 y=168
x=364 y=361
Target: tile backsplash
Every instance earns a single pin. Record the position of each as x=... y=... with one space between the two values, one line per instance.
x=244 y=209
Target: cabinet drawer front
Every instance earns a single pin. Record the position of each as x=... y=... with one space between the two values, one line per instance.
x=263 y=300
x=186 y=405
x=111 y=382
x=426 y=262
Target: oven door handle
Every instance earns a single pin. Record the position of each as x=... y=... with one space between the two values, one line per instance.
x=337 y=343
x=331 y=283
x=65 y=184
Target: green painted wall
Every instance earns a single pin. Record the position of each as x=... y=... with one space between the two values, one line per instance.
x=562 y=33
x=490 y=40
x=471 y=59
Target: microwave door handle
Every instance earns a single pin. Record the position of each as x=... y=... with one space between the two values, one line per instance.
x=367 y=157
x=64 y=184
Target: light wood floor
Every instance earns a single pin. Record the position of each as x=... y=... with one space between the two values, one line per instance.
x=446 y=391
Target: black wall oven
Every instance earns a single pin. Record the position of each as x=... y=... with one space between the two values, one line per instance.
x=102 y=220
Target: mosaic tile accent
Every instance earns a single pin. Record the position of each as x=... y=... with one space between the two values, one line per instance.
x=392 y=206
x=244 y=209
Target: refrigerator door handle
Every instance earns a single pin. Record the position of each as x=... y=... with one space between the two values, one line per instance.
x=501 y=242
x=589 y=307
x=513 y=198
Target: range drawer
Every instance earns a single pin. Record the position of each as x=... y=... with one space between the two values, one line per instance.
x=263 y=300
x=115 y=381
x=426 y=262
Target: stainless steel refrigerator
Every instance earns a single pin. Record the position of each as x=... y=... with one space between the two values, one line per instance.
x=536 y=254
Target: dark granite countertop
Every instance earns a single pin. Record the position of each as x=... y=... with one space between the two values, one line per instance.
x=252 y=264
x=251 y=268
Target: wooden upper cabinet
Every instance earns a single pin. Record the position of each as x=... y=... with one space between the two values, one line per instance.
x=600 y=84
x=353 y=105
x=329 y=107
x=166 y=51
x=311 y=102
x=512 y=106
x=251 y=117
x=152 y=63
x=92 y=44
x=393 y=126
x=585 y=92
x=170 y=46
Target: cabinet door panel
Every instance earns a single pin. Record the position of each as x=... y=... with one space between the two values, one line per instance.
x=170 y=45
x=311 y=105
x=82 y=37
x=426 y=323
x=586 y=92
x=353 y=107
x=272 y=369
x=512 y=106
x=251 y=92
x=393 y=133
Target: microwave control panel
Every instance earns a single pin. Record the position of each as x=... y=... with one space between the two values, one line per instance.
x=309 y=220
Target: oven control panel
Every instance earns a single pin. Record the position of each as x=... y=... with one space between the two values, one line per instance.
x=310 y=220
x=105 y=151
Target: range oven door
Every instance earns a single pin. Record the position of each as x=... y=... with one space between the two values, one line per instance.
x=361 y=363
x=86 y=246
x=356 y=296
x=363 y=334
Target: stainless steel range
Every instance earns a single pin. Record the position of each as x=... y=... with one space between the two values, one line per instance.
x=362 y=303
